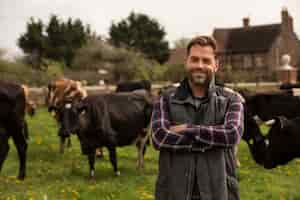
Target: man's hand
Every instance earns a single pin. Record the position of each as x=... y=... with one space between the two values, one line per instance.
x=178 y=128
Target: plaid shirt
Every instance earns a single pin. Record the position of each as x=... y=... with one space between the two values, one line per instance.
x=225 y=135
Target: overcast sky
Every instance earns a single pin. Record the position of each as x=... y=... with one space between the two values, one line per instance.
x=182 y=18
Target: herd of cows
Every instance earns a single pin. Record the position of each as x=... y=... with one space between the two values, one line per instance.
x=122 y=118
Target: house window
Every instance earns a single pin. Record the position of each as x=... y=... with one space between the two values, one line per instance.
x=247 y=61
x=237 y=61
x=259 y=61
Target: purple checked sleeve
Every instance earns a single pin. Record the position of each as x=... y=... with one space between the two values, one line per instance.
x=226 y=135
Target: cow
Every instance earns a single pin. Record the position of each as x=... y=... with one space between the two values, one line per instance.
x=59 y=92
x=255 y=140
x=108 y=120
x=30 y=109
x=30 y=106
x=168 y=88
x=268 y=105
x=133 y=85
x=14 y=104
x=279 y=146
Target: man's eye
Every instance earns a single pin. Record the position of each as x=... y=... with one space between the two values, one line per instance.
x=194 y=59
x=206 y=61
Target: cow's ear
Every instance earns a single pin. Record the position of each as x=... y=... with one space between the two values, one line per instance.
x=281 y=121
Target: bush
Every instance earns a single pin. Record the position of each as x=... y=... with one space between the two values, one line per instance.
x=21 y=73
x=55 y=69
x=175 y=73
x=121 y=64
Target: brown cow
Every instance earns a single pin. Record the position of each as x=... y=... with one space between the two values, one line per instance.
x=30 y=106
x=59 y=92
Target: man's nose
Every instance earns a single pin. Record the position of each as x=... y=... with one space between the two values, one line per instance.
x=200 y=64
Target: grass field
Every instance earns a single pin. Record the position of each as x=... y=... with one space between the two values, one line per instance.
x=51 y=175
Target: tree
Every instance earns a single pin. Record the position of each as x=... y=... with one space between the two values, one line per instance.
x=141 y=33
x=64 y=38
x=33 y=42
x=181 y=43
x=57 y=41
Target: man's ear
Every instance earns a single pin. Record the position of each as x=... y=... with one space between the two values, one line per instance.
x=217 y=64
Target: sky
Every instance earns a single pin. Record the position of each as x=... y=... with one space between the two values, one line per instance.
x=179 y=18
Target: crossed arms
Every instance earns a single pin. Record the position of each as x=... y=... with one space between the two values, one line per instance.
x=168 y=136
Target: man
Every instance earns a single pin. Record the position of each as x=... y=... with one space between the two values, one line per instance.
x=195 y=128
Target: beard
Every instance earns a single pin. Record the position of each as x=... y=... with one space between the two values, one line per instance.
x=200 y=78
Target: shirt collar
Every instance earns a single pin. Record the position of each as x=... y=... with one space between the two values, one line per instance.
x=184 y=91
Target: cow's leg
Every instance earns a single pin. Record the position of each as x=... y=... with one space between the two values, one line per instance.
x=141 y=148
x=25 y=130
x=140 y=153
x=113 y=159
x=21 y=145
x=4 y=147
x=69 y=144
x=62 y=145
x=91 y=157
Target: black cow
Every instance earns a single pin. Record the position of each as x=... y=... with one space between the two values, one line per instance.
x=266 y=106
x=133 y=85
x=254 y=139
x=110 y=120
x=279 y=146
x=12 y=123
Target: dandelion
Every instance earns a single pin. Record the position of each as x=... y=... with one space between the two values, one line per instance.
x=281 y=197
x=75 y=193
x=39 y=140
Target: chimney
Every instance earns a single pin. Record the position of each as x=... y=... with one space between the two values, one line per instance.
x=246 y=22
x=291 y=24
x=286 y=20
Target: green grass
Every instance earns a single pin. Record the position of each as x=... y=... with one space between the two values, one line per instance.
x=51 y=175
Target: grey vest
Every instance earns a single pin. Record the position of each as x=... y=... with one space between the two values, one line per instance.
x=213 y=167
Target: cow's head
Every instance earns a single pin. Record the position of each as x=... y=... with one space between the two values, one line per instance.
x=281 y=142
x=61 y=92
x=72 y=118
x=256 y=141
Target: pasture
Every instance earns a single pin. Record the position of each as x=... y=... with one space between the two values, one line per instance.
x=51 y=175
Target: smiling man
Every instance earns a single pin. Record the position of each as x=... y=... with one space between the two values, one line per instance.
x=195 y=128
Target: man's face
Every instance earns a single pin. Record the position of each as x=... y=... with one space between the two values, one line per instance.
x=200 y=65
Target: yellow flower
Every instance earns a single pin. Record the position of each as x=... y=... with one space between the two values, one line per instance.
x=39 y=140
x=281 y=197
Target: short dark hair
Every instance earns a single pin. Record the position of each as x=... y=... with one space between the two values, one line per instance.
x=202 y=40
